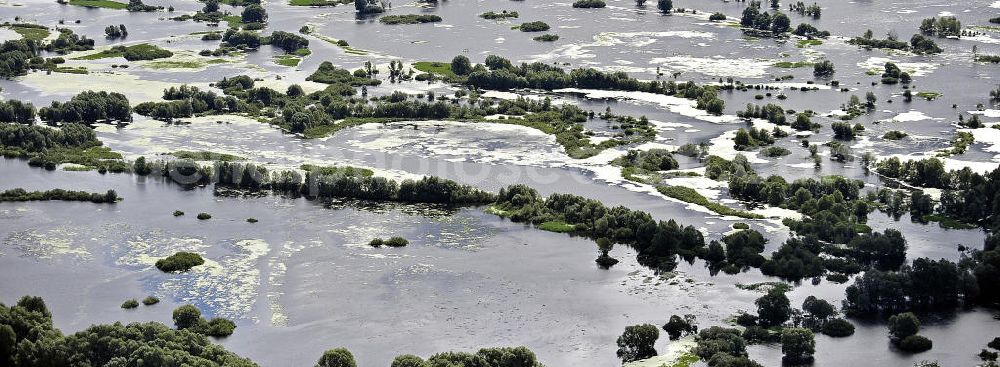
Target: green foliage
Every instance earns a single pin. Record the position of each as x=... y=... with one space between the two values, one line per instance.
x=689 y=195
x=548 y=37
x=107 y=4
x=773 y=309
x=20 y=194
x=30 y=324
x=903 y=325
x=327 y=73
x=179 y=262
x=637 y=342
x=536 y=26
x=396 y=241
x=89 y=107
x=499 y=16
x=665 y=6
x=797 y=345
x=151 y=300
x=915 y=344
x=178 y=213
x=894 y=135
x=407 y=360
x=339 y=357
x=130 y=304
x=204 y=155
x=460 y=65
x=556 y=226
x=589 y=4
x=677 y=326
x=409 y=19
x=838 y=328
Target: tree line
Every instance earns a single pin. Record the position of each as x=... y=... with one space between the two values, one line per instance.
x=29 y=339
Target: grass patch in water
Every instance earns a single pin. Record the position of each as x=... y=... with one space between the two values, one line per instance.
x=30 y=31
x=342 y=44
x=287 y=60
x=947 y=222
x=686 y=360
x=808 y=43
x=930 y=96
x=765 y=287
x=318 y=2
x=689 y=195
x=557 y=226
x=204 y=155
x=234 y=21
x=143 y=51
x=189 y=64
x=71 y=70
x=792 y=64
x=107 y=4
x=434 y=67
x=338 y=170
x=322 y=131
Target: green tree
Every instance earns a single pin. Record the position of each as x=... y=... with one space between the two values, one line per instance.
x=903 y=325
x=338 y=357
x=637 y=342
x=211 y=6
x=254 y=14
x=773 y=308
x=407 y=360
x=460 y=65
x=8 y=345
x=798 y=345
x=665 y=6
x=186 y=316
x=780 y=23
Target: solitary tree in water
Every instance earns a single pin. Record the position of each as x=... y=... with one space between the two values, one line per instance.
x=665 y=6
x=637 y=342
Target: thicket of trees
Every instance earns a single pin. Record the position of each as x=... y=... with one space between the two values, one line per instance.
x=67 y=41
x=89 y=107
x=15 y=57
x=499 y=74
x=179 y=262
x=20 y=194
x=13 y=110
x=656 y=242
x=28 y=338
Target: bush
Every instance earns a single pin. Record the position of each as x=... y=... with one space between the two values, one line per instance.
x=186 y=316
x=178 y=213
x=548 y=37
x=204 y=216
x=589 y=4
x=838 y=328
x=407 y=360
x=903 y=325
x=130 y=304
x=396 y=242
x=915 y=344
x=151 y=300
x=217 y=327
x=409 y=19
x=717 y=17
x=180 y=261
x=376 y=242
x=534 y=27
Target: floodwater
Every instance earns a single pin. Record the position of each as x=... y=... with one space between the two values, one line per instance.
x=302 y=280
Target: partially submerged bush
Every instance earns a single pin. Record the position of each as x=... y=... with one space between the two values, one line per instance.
x=181 y=261
x=130 y=304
